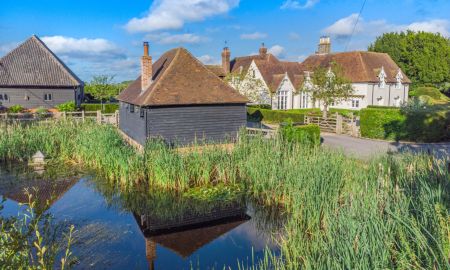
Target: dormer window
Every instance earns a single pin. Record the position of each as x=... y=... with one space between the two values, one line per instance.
x=382 y=77
x=253 y=73
x=399 y=78
x=307 y=85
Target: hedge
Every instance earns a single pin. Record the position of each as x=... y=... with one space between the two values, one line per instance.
x=274 y=116
x=432 y=125
x=307 y=134
x=108 y=107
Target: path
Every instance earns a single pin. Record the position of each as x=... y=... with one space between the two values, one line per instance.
x=365 y=148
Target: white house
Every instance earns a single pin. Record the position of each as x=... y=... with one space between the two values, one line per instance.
x=264 y=79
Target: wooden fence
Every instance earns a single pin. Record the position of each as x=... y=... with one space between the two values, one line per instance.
x=336 y=123
x=98 y=116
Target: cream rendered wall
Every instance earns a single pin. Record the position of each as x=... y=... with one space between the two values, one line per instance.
x=285 y=85
x=248 y=87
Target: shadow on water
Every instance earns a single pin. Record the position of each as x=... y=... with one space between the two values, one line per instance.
x=144 y=229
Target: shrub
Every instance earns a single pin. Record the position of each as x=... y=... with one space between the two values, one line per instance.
x=261 y=106
x=67 y=107
x=15 y=109
x=430 y=124
x=429 y=91
x=273 y=116
x=107 y=108
x=307 y=134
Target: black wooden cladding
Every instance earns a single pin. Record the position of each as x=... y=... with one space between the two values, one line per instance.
x=182 y=125
x=31 y=98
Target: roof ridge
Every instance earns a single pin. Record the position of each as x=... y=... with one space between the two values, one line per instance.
x=163 y=75
x=56 y=59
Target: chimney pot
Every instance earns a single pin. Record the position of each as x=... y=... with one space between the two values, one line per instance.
x=263 y=50
x=324 y=45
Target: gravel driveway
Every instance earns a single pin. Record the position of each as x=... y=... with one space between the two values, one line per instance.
x=365 y=148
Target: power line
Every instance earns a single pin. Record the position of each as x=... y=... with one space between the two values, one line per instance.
x=356 y=23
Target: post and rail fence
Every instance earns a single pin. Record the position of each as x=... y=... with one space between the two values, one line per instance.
x=336 y=123
x=98 y=116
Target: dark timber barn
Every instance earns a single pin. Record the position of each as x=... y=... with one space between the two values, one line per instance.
x=179 y=100
x=32 y=76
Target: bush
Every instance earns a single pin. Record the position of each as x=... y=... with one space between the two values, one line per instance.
x=107 y=108
x=273 y=116
x=261 y=106
x=307 y=134
x=429 y=91
x=15 y=109
x=67 y=107
x=429 y=124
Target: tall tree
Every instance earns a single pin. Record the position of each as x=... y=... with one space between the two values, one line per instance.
x=329 y=86
x=424 y=57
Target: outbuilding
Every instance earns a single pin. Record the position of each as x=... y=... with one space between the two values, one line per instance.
x=32 y=76
x=180 y=101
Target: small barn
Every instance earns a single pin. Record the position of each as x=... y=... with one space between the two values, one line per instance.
x=180 y=101
x=32 y=76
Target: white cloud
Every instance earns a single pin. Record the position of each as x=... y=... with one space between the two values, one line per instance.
x=293 y=4
x=254 y=36
x=6 y=48
x=166 y=38
x=173 y=14
x=294 y=36
x=434 y=26
x=344 y=27
x=83 y=47
x=277 y=50
x=208 y=59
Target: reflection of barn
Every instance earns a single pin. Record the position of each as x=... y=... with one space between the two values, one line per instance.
x=187 y=233
x=43 y=190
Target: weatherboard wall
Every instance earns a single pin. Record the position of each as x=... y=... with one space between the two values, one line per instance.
x=31 y=98
x=131 y=123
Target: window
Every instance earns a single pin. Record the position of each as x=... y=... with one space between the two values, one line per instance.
x=1 y=97
x=399 y=79
x=382 y=76
x=131 y=108
x=48 y=97
x=355 y=103
x=282 y=100
x=142 y=112
x=5 y=96
x=253 y=74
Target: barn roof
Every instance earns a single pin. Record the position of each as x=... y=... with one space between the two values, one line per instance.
x=357 y=66
x=33 y=64
x=181 y=79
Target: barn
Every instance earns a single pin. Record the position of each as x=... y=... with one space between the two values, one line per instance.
x=179 y=100
x=32 y=76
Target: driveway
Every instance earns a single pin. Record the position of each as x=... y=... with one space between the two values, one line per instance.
x=365 y=148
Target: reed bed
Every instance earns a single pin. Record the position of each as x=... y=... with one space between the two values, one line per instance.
x=391 y=212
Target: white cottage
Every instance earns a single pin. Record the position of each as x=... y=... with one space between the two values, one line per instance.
x=264 y=79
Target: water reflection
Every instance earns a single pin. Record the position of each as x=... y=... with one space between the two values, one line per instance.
x=140 y=229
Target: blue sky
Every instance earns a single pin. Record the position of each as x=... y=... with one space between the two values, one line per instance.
x=105 y=37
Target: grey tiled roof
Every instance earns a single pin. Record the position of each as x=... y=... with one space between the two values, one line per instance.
x=33 y=64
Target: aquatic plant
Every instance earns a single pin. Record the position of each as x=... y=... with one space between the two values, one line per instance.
x=391 y=212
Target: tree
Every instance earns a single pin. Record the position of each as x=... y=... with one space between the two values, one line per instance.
x=249 y=86
x=329 y=86
x=102 y=88
x=424 y=57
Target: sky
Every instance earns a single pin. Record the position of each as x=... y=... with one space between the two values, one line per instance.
x=97 y=37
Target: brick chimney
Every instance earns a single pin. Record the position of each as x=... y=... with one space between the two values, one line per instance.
x=146 y=68
x=262 y=50
x=324 y=45
x=226 y=54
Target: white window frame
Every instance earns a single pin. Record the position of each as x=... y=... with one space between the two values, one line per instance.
x=355 y=103
x=382 y=76
x=48 y=97
x=282 y=96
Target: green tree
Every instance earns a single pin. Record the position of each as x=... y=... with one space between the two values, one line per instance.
x=424 y=57
x=103 y=88
x=329 y=86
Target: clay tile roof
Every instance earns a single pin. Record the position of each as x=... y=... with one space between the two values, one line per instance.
x=33 y=64
x=357 y=66
x=272 y=69
x=216 y=69
x=181 y=79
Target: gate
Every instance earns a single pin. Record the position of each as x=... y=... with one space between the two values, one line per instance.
x=335 y=124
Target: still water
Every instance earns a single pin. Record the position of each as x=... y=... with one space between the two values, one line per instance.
x=142 y=230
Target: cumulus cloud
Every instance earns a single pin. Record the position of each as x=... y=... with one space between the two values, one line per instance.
x=293 y=4
x=343 y=28
x=6 y=48
x=207 y=59
x=254 y=36
x=277 y=50
x=83 y=47
x=173 y=14
x=166 y=38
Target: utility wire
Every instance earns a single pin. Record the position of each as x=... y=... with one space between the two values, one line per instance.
x=354 y=27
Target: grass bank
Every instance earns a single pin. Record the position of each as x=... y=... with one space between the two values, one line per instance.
x=392 y=212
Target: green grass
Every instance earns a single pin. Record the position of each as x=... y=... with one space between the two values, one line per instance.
x=391 y=212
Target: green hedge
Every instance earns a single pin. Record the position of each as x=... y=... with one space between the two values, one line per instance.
x=274 y=116
x=432 y=125
x=307 y=134
x=108 y=108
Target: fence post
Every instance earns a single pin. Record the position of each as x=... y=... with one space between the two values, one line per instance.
x=82 y=116
x=99 y=117
x=64 y=115
x=117 y=118
x=338 y=124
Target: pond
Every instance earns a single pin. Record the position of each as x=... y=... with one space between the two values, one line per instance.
x=142 y=229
